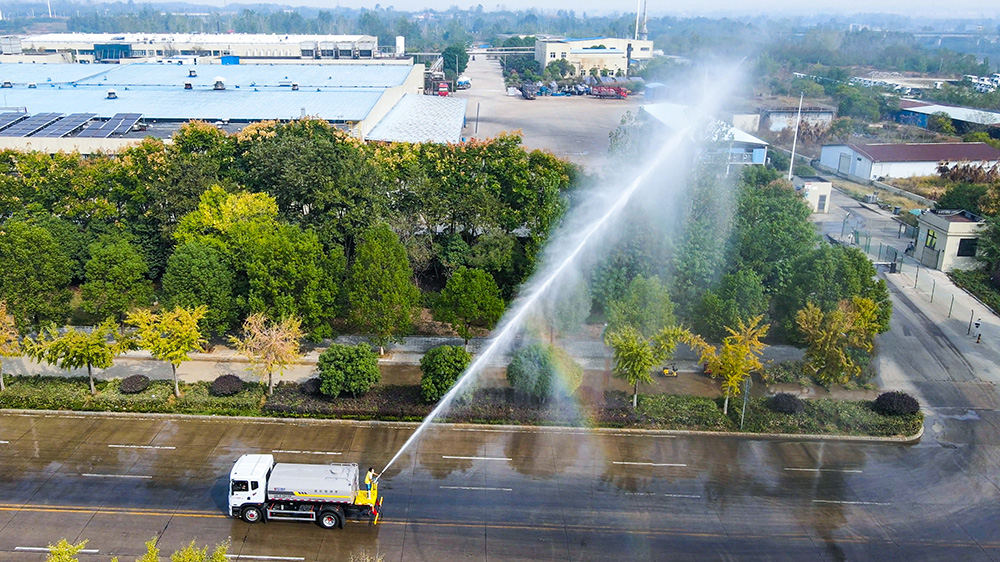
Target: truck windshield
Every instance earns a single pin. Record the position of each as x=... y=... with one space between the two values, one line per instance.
x=240 y=486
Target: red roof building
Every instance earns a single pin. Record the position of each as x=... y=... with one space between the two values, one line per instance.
x=874 y=161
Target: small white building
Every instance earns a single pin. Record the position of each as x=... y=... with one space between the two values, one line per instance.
x=875 y=161
x=815 y=190
x=742 y=147
x=947 y=240
x=601 y=53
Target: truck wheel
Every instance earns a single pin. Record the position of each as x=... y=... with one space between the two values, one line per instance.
x=251 y=514
x=329 y=520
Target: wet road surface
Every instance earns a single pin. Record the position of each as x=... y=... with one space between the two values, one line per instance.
x=491 y=493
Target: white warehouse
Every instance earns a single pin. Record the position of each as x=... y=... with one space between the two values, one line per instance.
x=874 y=161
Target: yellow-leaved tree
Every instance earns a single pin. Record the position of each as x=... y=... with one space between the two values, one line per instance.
x=836 y=337
x=170 y=335
x=737 y=356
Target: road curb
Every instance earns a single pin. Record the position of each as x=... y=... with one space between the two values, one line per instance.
x=897 y=439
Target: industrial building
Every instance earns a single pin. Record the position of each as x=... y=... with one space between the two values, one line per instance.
x=97 y=47
x=965 y=119
x=874 y=161
x=595 y=53
x=158 y=97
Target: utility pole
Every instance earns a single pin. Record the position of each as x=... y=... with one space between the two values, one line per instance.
x=795 y=138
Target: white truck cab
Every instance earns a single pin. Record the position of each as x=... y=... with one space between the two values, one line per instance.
x=248 y=483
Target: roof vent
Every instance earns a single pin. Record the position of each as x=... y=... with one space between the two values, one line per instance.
x=295 y=85
x=32 y=85
x=192 y=73
x=112 y=95
x=188 y=85
x=220 y=83
x=6 y=84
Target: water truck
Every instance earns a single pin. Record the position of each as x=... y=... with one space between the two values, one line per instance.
x=463 y=83
x=261 y=490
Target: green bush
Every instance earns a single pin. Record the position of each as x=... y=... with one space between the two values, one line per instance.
x=671 y=411
x=196 y=398
x=45 y=393
x=156 y=397
x=977 y=282
x=345 y=368
x=895 y=403
x=826 y=416
x=440 y=368
x=542 y=371
x=785 y=403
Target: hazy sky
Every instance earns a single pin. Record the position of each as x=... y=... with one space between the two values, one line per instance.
x=920 y=8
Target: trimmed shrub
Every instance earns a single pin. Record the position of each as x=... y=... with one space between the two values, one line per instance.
x=197 y=398
x=310 y=386
x=346 y=368
x=226 y=385
x=134 y=384
x=542 y=371
x=895 y=403
x=785 y=403
x=440 y=368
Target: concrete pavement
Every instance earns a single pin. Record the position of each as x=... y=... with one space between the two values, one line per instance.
x=500 y=493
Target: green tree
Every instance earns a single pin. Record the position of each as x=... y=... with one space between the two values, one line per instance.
x=10 y=339
x=940 y=122
x=196 y=275
x=345 y=368
x=440 y=368
x=470 y=298
x=542 y=371
x=270 y=346
x=739 y=297
x=967 y=196
x=569 y=309
x=191 y=553
x=635 y=355
x=170 y=335
x=116 y=279
x=382 y=294
x=455 y=58
x=645 y=306
x=34 y=274
x=75 y=349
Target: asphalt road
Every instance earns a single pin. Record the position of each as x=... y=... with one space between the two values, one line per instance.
x=492 y=493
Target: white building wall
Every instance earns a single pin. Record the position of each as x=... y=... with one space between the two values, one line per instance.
x=903 y=169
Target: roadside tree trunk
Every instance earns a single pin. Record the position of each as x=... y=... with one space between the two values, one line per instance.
x=635 y=396
x=725 y=405
x=177 y=386
x=90 y=375
x=270 y=383
x=2 y=387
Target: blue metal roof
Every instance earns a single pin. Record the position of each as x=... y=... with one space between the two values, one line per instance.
x=175 y=103
x=139 y=74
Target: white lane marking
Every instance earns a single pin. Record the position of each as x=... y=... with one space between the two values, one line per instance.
x=664 y=495
x=47 y=549
x=4 y=442
x=260 y=557
x=484 y=488
x=557 y=433
x=72 y=418
x=164 y=447
x=846 y=470
x=304 y=453
x=117 y=476
x=850 y=502
x=648 y=463
x=476 y=458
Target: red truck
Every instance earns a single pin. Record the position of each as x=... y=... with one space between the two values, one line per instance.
x=609 y=92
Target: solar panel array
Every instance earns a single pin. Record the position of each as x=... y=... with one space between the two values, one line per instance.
x=8 y=119
x=66 y=125
x=120 y=123
x=30 y=125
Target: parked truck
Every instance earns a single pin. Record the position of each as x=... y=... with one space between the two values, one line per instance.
x=609 y=92
x=327 y=494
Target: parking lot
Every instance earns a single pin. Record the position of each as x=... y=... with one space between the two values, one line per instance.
x=575 y=127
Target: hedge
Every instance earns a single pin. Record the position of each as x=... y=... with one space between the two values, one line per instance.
x=486 y=405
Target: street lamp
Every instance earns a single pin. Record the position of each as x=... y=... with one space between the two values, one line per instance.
x=843 y=225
